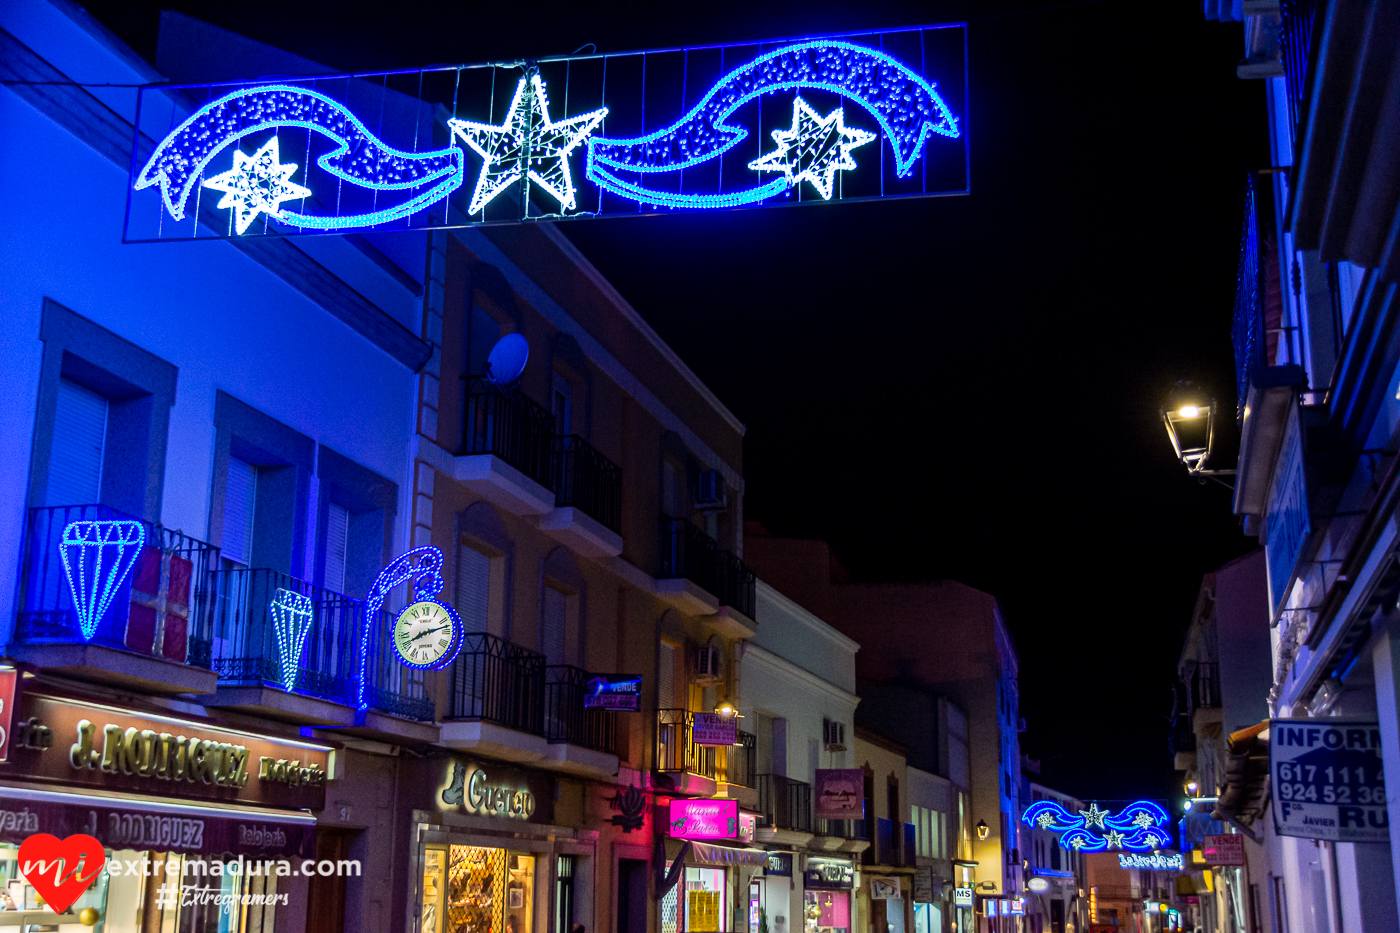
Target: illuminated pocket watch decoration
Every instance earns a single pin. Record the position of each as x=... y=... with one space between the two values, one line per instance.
x=428 y=634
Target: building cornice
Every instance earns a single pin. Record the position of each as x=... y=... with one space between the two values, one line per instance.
x=783 y=668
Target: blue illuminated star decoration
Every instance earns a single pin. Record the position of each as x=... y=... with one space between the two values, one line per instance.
x=1093 y=816
x=814 y=149
x=529 y=143
x=1113 y=839
x=1138 y=827
x=257 y=184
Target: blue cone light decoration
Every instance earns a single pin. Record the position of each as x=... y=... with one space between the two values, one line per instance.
x=291 y=621
x=98 y=556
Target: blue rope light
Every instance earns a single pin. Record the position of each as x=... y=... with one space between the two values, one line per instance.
x=292 y=615
x=98 y=556
x=359 y=158
x=1138 y=827
x=423 y=566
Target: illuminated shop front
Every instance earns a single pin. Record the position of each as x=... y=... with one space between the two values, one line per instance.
x=718 y=890
x=489 y=859
x=827 y=886
x=202 y=827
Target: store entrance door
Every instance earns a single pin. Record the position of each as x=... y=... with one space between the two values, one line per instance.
x=631 y=895
x=325 y=897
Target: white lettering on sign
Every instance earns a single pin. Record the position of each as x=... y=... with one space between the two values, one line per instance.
x=472 y=790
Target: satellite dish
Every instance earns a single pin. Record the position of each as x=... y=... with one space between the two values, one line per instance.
x=507 y=360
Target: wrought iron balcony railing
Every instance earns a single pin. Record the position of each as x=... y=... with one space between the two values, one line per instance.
x=1295 y=40
x=1256 y=309
x=737 y=764
x=842 y=829
x=153 y=600
x=390 y=686
x=688 y=552
x=275 y=630
x=500 y=682
x=1204 y=684
x=785 y=803
x=508 y=424
x=566 y=719
x=676 y=751
x=738 y=583
x=1181 y=738
x=588 y=481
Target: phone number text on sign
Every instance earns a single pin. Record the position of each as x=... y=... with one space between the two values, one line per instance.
x=1327 y=779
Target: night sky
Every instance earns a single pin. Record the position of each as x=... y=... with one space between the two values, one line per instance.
x=963 y=387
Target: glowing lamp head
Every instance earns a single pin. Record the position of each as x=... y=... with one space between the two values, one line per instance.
x=1189 y=416
x=983 y=829
x=726 y=709
x=1190 y=411
x=1186 y=806
x=1192 y=787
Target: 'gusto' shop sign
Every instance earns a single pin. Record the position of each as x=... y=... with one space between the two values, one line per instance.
x=493 y=791
x=94 y=746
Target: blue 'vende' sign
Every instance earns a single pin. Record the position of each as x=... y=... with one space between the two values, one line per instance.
x=613 y=691
x=851 y=117
x=1327 y=780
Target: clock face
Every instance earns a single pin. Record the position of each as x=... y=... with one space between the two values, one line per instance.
x=427 y=634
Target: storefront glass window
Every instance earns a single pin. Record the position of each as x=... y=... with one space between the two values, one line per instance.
x=474 y=889
x=827 y=911
x=705 y=908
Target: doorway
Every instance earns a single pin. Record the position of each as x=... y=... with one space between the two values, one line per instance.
x=325 y=896
x=631 y=895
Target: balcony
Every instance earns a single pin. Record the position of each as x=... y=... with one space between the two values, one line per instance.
x=786 y=806
x=587 y=513
x=1203 y=692
x=581 y=741
x=842 y=835
x=736 y=770
x=700 y=579
x=149 y=633
x=506 y=455
x=1181 y=743
x=690 y=768
x=497 y=699
x=736 y=587
x=398 y=705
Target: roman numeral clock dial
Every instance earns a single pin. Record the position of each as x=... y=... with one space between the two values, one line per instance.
x=428 y=635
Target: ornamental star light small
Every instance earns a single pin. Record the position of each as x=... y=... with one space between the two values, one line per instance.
x=527 y=136
x=1144 y=819
x=1113 y=839
x=1093 y=816
x=256 y=184
x=1045 y=820
x=814 y=148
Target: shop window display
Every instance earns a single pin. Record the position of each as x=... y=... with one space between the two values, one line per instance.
x=170 y=893
x=473 y=889
x=827 y=911
x=705 y=910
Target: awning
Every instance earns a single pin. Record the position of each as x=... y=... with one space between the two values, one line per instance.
x=1244 y=797
x=136 y=822
x=703 y=854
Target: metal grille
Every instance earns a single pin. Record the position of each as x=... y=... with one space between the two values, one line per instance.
x=1295 y=39
x=675 y=751
x=476 y=881
x=509 y=425
x=1248 y=324
x=566 y=720
x=503 y=683
x=737 y=583
x=688 y=552
x=736 y=764
x=785 y=803
x=587 y=480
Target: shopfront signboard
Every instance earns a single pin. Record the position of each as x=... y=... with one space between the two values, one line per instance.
x=94 y=746
x=778 y=864
x=494 y=790
x=964 y=895
x=714 y=729
x=1157 y=861
x=829 y=873
x=923 y=884
x=840 y=793
x=9 y=678
x=1018 y=906
x=704 y=819
x=1326 y=780
x=882 y=889
x=613 y=691
x=1225 y=849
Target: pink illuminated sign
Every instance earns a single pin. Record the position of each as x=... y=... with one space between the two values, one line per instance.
x=704 y=819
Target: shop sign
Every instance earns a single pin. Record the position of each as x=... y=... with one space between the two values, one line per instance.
x=500 y=792
x=1038 y=885
x=613 y=691
x=704 y=819
x=1157 y=861
x=778 y=864
x=964 y=896
x=1225 y=849
x=923 y=884
x=829 y=873
x=95 y=746
x=1286 y=523
x=1018 y=905
x=840 y=793
x=884 y=889
x=1326 y=781
x=714 y=729
x=748 y=826
x=9 y=677
x=989 y=907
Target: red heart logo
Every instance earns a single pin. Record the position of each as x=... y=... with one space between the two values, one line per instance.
x=61 y=870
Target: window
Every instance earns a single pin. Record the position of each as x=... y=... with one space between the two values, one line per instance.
x=472 y=601
x=671 y=488
x=556 y=611
x=562 y=405
x=482 y=333
x=666 y=677
x=240 y=495
x=337 y=544
x=79 y=431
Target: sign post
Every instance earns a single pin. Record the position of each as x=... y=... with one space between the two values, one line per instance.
x=1326 y=779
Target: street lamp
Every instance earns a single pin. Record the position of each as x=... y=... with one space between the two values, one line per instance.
x=983 y=829
x=1189 y=414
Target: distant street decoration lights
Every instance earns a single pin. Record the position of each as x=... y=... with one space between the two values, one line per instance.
x=1189 y=414
x=1141 y=826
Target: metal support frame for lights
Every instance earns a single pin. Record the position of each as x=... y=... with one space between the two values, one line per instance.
x=1189 y=414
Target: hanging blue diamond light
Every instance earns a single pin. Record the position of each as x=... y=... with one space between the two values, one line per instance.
x=98 y=556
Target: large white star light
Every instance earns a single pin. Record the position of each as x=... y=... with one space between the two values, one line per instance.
x=1114 y=839
x=1093 y=816
x=814 y=148
x=527 y=142
x=256 y=184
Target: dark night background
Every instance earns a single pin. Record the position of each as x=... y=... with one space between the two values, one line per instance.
x=961 y=387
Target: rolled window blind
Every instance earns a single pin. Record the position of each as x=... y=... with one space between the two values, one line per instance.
x=240 y=497
x=337 y=544
x=79 y=432
x=473 y=588
x=552 y=633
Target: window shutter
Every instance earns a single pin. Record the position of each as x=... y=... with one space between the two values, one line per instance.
x=337 y=542
x=240 y=495
x=666 y=677
x=552 y=634
x=473 y=588
x=79 y=430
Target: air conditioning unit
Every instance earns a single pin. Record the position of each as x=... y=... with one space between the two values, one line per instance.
x=834 y=735
x=708 y=666
x=710 y=491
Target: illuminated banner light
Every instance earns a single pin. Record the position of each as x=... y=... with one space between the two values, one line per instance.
x=1138 y=827
x=850 y=117
x=1161 y=862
